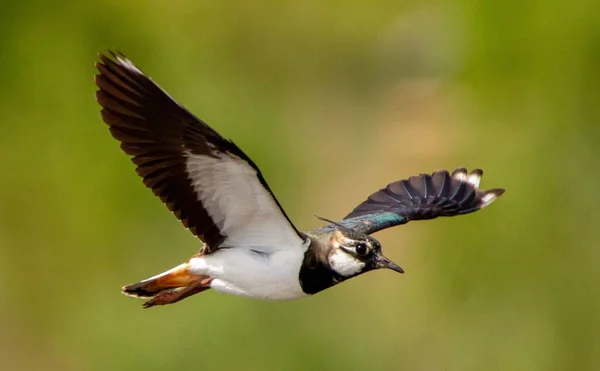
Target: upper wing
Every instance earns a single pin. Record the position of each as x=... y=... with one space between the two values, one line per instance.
x=419 y=198
x=210 y=185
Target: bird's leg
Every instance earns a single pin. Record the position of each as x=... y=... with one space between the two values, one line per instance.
x=174 y=296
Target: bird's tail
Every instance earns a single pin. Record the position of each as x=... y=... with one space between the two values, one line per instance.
x=177 y=277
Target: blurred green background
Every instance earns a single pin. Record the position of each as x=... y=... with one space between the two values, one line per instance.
x=333 y=100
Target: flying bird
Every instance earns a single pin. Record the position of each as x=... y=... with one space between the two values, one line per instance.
x=250 y=247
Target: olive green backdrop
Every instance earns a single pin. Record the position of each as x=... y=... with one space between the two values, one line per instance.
x=333 y=100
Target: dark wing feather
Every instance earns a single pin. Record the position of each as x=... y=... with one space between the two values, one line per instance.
x=166 y=142
x=420 y=197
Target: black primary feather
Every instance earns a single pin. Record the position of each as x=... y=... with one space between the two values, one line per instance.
x=420 y=197
x=156 y=131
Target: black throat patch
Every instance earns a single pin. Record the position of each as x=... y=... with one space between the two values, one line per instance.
x=315 y=274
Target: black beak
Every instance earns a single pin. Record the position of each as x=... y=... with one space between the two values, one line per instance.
x=383 y=262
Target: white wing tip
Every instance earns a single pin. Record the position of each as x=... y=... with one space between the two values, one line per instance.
x=123 y=61
x=491 y=196
x=460 y=174
x=474 y=179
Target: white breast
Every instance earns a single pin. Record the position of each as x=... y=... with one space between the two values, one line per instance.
x=241 y=271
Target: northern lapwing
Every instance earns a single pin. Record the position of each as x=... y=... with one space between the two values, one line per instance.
x=250 y=246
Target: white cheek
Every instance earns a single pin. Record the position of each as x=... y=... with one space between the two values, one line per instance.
x=345 y=264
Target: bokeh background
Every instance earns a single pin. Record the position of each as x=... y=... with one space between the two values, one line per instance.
x=333 y=100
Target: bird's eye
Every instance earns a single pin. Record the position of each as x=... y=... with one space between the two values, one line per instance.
x=361 y=248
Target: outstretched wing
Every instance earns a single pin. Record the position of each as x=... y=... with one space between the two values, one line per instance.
x=420 y=197
x=210 y=185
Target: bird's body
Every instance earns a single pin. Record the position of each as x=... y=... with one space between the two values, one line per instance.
x=252 y=273
x=250 y=247
x=258 y=274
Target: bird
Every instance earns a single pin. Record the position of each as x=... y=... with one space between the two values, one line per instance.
x=249 y=245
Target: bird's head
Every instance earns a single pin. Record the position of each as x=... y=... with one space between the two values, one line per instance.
x=353 y=253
